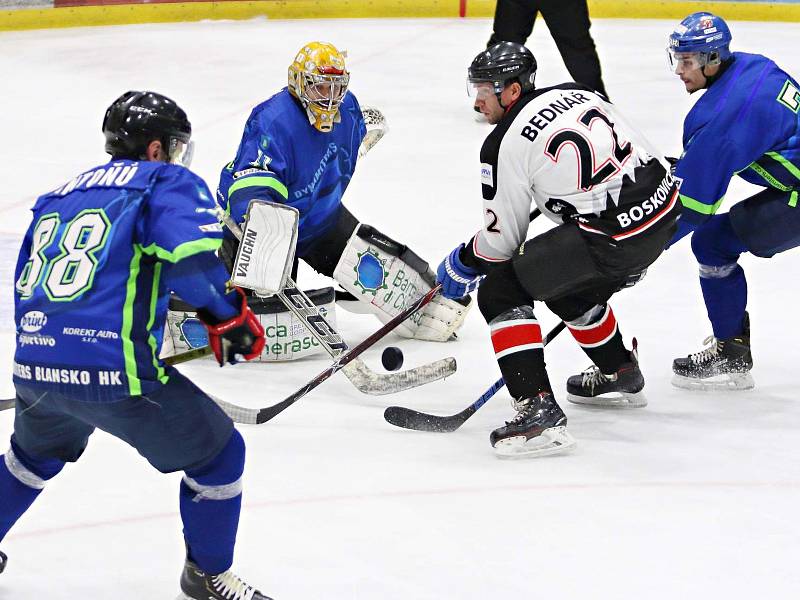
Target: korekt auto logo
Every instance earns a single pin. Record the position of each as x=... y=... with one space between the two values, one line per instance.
x=33 y=321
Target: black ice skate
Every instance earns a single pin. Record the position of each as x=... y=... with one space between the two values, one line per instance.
x=622 y=389
x=540 y=428
x=198 y=585
x=3 y=562
x=724 y=365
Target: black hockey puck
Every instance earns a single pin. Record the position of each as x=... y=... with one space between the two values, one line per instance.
x=392 y=358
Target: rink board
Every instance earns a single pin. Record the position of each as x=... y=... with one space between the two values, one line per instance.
x=45 y=14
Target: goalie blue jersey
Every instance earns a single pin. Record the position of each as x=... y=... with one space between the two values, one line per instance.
x=90 y=300
x=746 y=123
x=285 y=159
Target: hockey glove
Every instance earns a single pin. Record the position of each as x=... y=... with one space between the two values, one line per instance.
x=673 y=164
x=243 y=334
x=457 y=279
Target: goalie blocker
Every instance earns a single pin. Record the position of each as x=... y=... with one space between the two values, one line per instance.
x=383 y=277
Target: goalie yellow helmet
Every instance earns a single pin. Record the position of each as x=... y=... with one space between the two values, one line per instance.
x=318 y=79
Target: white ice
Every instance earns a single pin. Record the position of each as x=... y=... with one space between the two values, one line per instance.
x=695 y=496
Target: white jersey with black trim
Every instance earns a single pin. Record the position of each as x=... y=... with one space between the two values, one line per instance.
x=568 y=150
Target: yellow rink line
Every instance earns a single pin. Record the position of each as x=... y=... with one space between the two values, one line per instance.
x=46 y=18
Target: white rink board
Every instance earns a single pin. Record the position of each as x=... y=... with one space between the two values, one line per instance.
x=694 y=497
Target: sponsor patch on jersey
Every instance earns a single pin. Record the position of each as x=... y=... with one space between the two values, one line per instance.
x=244 y=172
x=210 y=227
x=32 y=321
x=487 y=174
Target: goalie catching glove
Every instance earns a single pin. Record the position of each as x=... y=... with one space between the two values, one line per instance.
x=385 y=277
x=242 y=334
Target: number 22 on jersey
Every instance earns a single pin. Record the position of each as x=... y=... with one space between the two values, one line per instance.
x=589 y=174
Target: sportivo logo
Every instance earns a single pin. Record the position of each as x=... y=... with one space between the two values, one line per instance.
x=33 y=321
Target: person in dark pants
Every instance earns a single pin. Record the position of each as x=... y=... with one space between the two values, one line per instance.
x=615 y=205
x=95 y=269
x=568 y=21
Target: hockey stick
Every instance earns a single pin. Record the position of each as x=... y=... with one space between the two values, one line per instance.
x=256 y=416
x=360 y=375
x=420 y=421
x=412 y=419
x=177 y=359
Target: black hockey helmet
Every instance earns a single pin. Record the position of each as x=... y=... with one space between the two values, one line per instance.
x=503 y=63
x=137 y=118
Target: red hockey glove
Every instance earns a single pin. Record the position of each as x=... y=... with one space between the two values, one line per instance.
x=243 y=334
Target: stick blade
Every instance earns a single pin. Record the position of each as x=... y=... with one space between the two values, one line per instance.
x=399 y=416
x=379 y=384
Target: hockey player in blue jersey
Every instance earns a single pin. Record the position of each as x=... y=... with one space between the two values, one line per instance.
x=746 y=123
x=92 y=281
x=300 y=147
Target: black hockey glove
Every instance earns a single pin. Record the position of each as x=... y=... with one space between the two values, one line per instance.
x=673 y=164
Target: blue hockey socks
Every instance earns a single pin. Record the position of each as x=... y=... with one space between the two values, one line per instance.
x=717 y=248
x=22 y=479
x=211 y=499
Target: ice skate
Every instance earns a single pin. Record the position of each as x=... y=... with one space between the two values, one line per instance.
x=538 y=429
x=198 y=585
x=3 y=562
x=724 y=365
x=622 y=389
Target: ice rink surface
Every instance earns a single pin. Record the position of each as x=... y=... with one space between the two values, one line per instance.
x=694 y=497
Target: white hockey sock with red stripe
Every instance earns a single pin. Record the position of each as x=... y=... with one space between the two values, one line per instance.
x=515 y=335
x=594 y=334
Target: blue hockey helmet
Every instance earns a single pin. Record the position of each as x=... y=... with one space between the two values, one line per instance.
x=702 y=35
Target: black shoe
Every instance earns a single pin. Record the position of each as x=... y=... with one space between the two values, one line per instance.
x=725 y=364
x=539 y=428
x=621 y=389
x=3 y=562
x=198 y=585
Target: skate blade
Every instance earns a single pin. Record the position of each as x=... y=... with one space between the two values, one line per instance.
x=183 y=596
x=555 y=440
x=611 y=400
x=719 y=383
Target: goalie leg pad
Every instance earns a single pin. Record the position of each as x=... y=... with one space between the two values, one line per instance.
x=386 y=277
x=286 y=336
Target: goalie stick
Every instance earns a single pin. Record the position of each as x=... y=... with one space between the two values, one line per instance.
x=360 y=375
x=420 y=421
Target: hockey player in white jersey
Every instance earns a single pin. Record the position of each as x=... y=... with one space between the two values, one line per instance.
x=567 y=149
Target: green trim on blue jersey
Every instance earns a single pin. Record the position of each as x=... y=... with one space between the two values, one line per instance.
x=765 y=175
x=703 y=209
x=184 y=250
x=793 y=199
x=261 y=181
x=161 y=374
x=134 y=384
x=786 y=164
